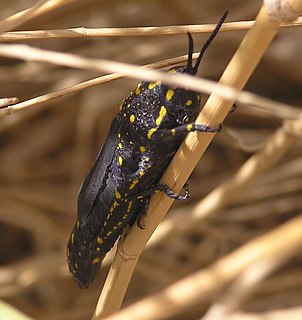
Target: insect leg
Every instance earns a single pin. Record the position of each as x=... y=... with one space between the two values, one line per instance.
x=143 y=204
x=168 y=191
x=161 y=133
x=142 y=207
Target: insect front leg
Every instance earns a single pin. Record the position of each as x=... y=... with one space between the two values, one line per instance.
x=160 y=134
x=171 y=194
x=168 y=191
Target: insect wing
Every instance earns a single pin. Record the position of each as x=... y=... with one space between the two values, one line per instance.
x=96 y=178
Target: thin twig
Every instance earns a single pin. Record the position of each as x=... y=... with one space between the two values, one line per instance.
x=39 y=8
x=27 y=53
x=83 y=32
x=4 y=102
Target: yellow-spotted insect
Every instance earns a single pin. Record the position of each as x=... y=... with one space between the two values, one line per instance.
x=144 y=136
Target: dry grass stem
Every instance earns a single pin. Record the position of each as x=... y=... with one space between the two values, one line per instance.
x=4 y=102
x=73 y=61
x=289 y=313
x=238 y=292
x=9 y=312
x=221 y=243
x=41 y=7
x=82 y=86
x=202 y=285
x=82 y=32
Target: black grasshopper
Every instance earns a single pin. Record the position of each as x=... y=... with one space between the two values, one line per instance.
x=144 y=136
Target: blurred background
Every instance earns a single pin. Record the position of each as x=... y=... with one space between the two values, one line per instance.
x=46 y=151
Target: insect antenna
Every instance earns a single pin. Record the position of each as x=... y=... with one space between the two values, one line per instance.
x=189 y=67
x=193 y=70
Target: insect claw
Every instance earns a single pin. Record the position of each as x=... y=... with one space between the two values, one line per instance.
x=140 y=222
x=219 y=129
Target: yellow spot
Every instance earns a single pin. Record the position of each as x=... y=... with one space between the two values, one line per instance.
x=169 y=94
x=98 y=249
x=119 y=223
x=115 y=227
x=79 y=253
x=78 y=224
x=128 y=105
x=119 y=135
x=150 y=132
x=132 y=118
x=158 y=83
x=162 y=113
x=118 y=195
x=172 y=71
x=108 y=233
x=129 y=206
x=137 y=91
x=121 y=107
x=142 y=149
x=115 y=204
x=189 y=127
x=151 y=85
x=67 y=252
x=188 y=103
x=120 y=160
x=133 y=184
x=125 y=216
x=110 y=210
x=139 y=197
x=72 y=238
x=100 y=240
x=198 y=97
x=76 y=266
x=173 y=131
x=105 y=223
x=108 y=215
x=96 y=260
x=141 y=173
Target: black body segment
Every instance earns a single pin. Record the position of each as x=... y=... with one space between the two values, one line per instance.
x=144 y=136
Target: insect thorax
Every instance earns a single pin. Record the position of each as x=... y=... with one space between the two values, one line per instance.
x=155 y=105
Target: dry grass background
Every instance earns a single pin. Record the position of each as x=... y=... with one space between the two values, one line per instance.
x=47 y=150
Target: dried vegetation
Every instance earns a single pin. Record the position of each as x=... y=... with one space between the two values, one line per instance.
x=46 y=150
